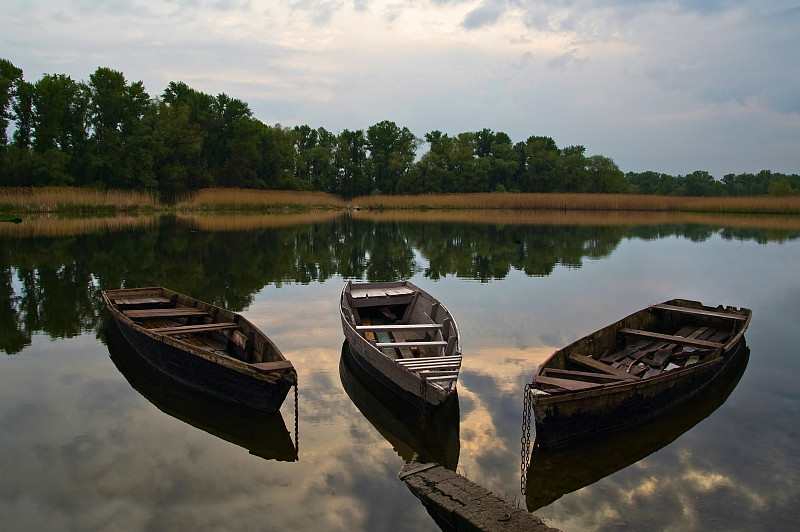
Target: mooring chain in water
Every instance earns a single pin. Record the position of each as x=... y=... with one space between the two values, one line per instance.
x=296 y=424
x=526 y=437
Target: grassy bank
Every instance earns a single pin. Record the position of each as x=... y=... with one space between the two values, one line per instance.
x=19 y=200
x=586 y=202
x=15 y=201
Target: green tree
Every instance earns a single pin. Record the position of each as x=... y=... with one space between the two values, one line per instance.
x=10 y=77
x=119 y=154
x=392 y=152
x=606 y=177
x=781 y=188
x=351 y=156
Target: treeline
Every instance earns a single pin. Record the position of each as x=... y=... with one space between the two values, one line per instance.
x=108 y=133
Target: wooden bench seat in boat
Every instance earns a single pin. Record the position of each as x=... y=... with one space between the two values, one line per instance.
x=202 y=328
x=164 y=313
x=154 y=300
x=400 y=327
x=671 y=338
x=430 y=365
x=701 y=312
x=431 y=343
x=273 y=365
x=442 y=378
x=565 y=384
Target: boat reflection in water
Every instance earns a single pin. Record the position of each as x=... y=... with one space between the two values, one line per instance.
x=553 y=473
x=264 y=434
x=429 y=436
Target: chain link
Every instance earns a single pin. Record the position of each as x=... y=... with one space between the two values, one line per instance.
x=296 y=424
x=526 y=438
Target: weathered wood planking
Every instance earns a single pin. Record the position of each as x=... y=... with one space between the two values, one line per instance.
x=701 y=312
x=164 y=313
x=202 y=328
x=670 y=338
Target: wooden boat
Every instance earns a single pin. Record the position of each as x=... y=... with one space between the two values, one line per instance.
x=404 y=339
x=434 y=438
x=263 y=434
x=555 y=472
x=206 y=347
x=634 y=369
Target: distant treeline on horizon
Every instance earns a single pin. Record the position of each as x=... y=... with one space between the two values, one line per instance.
x=108 y=133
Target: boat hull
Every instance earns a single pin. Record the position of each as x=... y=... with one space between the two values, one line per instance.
x=568 y=418
x=404 y=384
x=217 y=375
x=562 y=418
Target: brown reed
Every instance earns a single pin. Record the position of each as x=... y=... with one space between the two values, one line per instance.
x=235 y=198
x=72 y=199
x=49 y=225
x=576 y=217
x=592 y=202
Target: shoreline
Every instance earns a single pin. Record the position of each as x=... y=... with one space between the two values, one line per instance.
x=82 y=202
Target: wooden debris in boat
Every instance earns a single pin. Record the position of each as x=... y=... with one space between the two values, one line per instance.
x=589 y=362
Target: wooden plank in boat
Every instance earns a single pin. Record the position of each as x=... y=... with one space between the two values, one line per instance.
x=400 y=327
x=701 y=312
x=589 y=362
x=205 y=327
x=565 y=384
x=164 y=313
x=432 y=343
x=670 y=338
x=432 y=360
x=275 y=365
x=359 y=293
x=141 y=300
x=585 y=376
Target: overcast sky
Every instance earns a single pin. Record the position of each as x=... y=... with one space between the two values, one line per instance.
x=672 y=86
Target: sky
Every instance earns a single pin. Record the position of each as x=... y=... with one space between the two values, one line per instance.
x=671 y=86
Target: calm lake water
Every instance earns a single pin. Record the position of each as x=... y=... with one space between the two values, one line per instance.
x=89 y=440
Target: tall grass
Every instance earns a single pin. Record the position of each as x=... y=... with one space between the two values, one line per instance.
x=72 y=199
x=270 y=200
x=584 y=202
x=577 y=217
x=49 y=225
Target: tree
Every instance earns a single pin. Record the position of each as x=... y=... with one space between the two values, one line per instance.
x=606 y=177
x=781 y=189
x=351 y=155
x=10 y=77
x=119 y=144
x=541 y=155
x=392 y=152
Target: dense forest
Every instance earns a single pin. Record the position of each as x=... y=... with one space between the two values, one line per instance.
x=109 y=133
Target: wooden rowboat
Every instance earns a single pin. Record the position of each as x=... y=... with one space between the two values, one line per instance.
x=208 y=348
x=432 y=439
x=263 y=434
x=404 y=338
x=634 y=369
x=555 y=472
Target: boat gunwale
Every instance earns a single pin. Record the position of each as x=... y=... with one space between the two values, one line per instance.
x=224 y=360
x=344 y=303
x=603 y=389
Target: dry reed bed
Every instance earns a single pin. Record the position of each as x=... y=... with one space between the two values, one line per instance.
x=241 y=222
x=50 y=226
x=575 y=217
x=232 y=198
x=60 y=199
x=582 y=202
